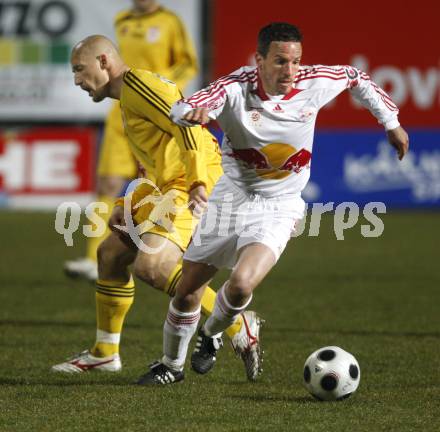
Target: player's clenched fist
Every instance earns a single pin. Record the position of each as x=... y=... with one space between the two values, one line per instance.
x=198 y=200
x=197 y=116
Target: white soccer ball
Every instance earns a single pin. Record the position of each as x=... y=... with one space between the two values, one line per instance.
x=331 y=373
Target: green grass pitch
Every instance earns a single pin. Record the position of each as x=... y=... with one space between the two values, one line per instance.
x=377 y=298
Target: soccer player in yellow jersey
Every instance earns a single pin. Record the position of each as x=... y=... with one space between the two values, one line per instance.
x=153 y=38
x=182 y=166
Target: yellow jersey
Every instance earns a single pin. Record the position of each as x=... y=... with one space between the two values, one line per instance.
x=158 y=42
x=173 y=156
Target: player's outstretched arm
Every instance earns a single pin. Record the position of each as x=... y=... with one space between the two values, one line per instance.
x=399 y=139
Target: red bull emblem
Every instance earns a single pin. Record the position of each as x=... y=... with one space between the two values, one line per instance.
x=274 y=161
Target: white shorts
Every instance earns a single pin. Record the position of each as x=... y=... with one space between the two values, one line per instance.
x=234 y=219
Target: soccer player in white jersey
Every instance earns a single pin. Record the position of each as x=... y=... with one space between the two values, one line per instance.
x=268 y=115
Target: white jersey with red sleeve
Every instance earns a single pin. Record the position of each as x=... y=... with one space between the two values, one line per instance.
x=268 y=140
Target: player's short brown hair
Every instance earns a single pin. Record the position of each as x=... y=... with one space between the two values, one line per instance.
x=277 y=32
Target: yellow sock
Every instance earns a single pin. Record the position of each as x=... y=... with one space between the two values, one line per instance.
x=208 y=299
x=94 y=242
x=113 y=301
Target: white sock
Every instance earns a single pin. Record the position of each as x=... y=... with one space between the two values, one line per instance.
x=223 y=315
x=178 y=330
x=106 y=337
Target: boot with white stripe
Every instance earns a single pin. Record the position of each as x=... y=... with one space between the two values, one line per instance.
x=85 y=361
x=204 y=355
x=160 y=374
x=247 y=344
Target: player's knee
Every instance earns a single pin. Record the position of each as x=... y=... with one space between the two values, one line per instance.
x=148 y=271
x=187 y=301
x=240 y=286
x=105 y=254
x=113 y=257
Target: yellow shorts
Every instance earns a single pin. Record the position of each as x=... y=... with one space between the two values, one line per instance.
x=115 y=157
x=165 y=214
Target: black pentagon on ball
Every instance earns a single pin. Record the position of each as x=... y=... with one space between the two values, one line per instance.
x=353 y=371
x=307 y=374
x=327 y=355
x=329 y=382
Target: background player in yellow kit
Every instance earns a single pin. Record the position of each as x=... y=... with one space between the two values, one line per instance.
x=153 y=38
x=183 y=164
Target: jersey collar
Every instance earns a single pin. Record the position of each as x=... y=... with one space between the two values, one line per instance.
x=259 y=91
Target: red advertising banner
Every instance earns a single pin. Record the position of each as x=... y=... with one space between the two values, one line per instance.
x=42 y=167
x=396 y=44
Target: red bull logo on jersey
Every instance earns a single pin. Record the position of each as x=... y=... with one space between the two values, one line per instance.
x=274 y=161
